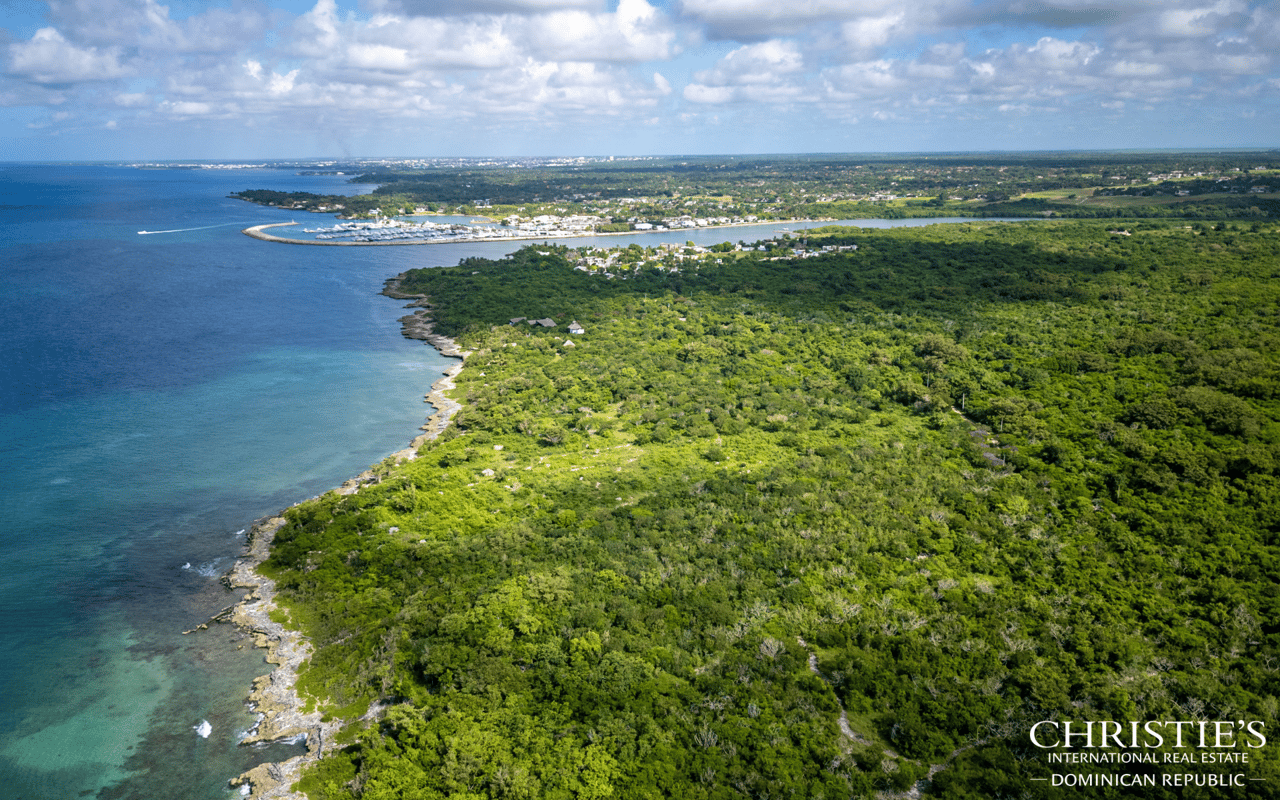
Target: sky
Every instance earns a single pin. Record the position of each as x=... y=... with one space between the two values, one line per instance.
x=263 y=79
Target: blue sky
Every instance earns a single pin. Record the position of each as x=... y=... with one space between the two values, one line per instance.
x=248 y=79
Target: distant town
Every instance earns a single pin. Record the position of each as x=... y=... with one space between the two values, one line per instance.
x=573 y=196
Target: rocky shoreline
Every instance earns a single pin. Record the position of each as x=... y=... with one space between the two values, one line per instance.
x=418 y=325
x=274 y=696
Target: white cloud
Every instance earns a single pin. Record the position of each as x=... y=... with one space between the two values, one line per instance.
x=767 y=71
x=437 y=8
x=49 y=58
x=539 y=91
x=315 y=33
x=1242 y=63
x=282 y=84
x=147 y=25
x=132 y=100
x=747 y=20
x=871 y=32
x=698 y=93
x=1135 y=69
x=186 y=108
x=485 y=65
x=1050 y=13
x=1129 y=48
x=866 y=79
x=1199 y=21
x=379 y=57
x=1055 y=57
x=635 y=32
x=479 y=43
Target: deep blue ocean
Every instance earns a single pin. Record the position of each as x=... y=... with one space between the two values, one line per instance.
x=158 y=393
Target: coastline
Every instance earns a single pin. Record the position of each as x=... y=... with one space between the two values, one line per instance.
x=258 y=232
x=274 y=696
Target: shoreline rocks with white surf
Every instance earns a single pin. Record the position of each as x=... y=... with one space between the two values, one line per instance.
x=274 y=696
x=418 y=325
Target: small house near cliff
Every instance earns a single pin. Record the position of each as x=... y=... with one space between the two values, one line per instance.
x=575 y=328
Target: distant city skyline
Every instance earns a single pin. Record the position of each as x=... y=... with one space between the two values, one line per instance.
x=136 y=79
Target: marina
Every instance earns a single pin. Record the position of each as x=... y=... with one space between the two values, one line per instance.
x=394 y=229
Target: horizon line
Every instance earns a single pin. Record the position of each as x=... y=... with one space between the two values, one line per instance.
x=1235 y=149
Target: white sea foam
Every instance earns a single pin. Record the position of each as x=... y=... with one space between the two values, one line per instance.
x=187 y=565
x=300 y=738
x=244 y=790
x=241 y=531
x=203 y=729
x=210 y=569
x=242 y=735
x=59 y=481
x=184 y=230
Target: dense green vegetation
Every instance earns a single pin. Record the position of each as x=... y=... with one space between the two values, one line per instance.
x=354 y=206
x=805 y=527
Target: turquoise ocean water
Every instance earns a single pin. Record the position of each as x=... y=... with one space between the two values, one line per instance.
x=158 y=393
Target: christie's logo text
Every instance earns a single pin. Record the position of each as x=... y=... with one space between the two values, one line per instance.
x=1154 y=734
x=1178 y=743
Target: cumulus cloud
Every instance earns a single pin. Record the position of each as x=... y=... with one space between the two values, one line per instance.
x=1050 y=56
x=747 y=20
x=1200 y=20
x=874 y=31
x=538 y=67
x=1051 y=14
x=187 y=108
x=132 y=100
x=866 y=80
x=634 y=32
x=489 y=64
x=146 y=24
x=752 y=73
x=446 y=8
x=50 y=59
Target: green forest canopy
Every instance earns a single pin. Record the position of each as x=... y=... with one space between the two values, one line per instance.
x=808 y=527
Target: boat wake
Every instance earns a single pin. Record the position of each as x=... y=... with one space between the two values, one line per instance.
x=184 y=230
